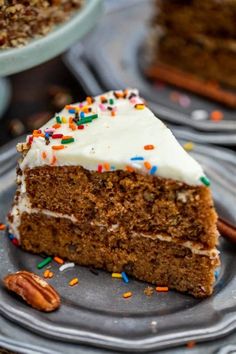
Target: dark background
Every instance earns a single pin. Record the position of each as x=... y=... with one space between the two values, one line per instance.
x=36 y=95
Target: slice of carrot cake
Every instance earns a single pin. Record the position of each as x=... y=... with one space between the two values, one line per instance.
x=105 y=184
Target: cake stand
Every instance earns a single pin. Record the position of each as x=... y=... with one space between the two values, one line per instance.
x=44 y=48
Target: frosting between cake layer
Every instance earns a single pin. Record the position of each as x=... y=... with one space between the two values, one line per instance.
x=24 y=206
x=117 y=133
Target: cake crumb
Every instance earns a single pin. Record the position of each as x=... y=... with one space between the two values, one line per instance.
x=149 y=290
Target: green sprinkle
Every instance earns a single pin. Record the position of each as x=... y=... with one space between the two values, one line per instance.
x=67 y=141
x=58 y=119
x=111 y=101
x=84 y=120
x=44 y=262
x=205 y=181
x=94 y=116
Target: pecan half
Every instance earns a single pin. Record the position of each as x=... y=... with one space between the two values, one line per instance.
x=34 y=290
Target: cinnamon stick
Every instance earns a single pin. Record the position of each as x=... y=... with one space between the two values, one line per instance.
x=184 y=80
x=226 y=230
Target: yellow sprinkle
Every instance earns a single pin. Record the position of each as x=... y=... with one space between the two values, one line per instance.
x=188 y=146
x=63 y=120
x=116 y=275
x=85 y=109
x=139 y=106
x=74 y=281
x=128 y=294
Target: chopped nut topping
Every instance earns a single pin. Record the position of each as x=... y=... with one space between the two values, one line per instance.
x=22 y=20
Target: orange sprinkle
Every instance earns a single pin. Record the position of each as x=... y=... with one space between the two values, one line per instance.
x=119 y=94
x=44 y=155
x=36 y=132
x=58 y=260
x=216 y=116
x=126 y=91
x=58 y=147
x=74 y=281
x=56 y=126
x=54 y=160
x=113 y=113
x=129 y=168
x=191 y=344
x=36 y=135
x=162 y=289
x=128 y=294
x=46 y=273
x=72 y=126
x=65 y=137
x=2 y=227
x=70 y=120
x=102 y=99
x=69 y=107
x=89 y=100
x=147 y=165
x=149 y=147
x=106 y=166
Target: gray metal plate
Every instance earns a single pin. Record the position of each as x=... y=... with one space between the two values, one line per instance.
x=95 y=313
x=114 y=56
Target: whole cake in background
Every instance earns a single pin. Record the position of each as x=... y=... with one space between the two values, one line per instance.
x=105 y=184
x=197 y=36
x=22 y=20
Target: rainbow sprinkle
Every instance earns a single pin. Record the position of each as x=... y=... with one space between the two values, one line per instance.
x=67 y=140
x=45 y=262
x=153 y=170
x=127 y=294
x=137 y=158
x=124 y=277
x=2 y=227
x=162 y=289
x=74 y=281
x=149 y=147
x=205 y=181
x=117 y=275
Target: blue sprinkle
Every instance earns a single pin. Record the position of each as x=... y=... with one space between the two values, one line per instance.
x=137 y=158
x=11 y=236
x=71 y=111
x=124 y=277
x=47 y=135
x=82 y=114
x=153 y=170
x=217 y=273
x=113 y=167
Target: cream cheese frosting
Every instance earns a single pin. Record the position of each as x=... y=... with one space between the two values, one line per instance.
x=110 y=132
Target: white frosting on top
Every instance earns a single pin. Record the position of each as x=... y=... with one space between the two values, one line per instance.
x=115 y=140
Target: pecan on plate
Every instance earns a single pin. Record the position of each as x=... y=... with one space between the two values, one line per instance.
x=34 y=290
